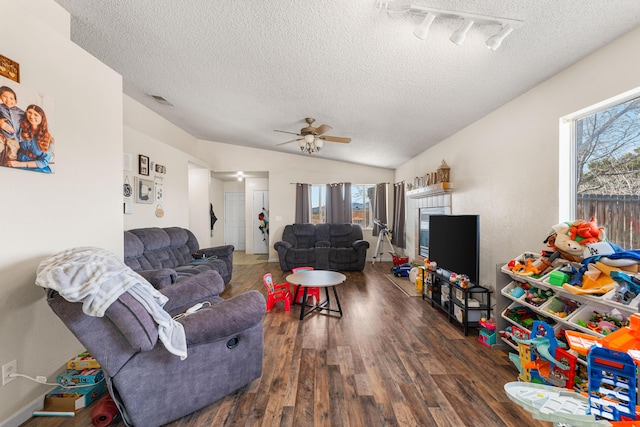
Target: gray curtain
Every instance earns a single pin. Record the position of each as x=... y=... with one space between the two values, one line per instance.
x=379 y=207
x=339 y=203
x=303 y=204
x=397 y=231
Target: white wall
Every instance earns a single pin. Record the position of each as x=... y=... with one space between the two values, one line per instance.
x=505 y=166
x=199 y=219
x=148 y=134
x=79 y=205
x=216 y=194
x=285 y=169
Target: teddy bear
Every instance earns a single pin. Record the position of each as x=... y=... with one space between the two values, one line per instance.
x=570 y=238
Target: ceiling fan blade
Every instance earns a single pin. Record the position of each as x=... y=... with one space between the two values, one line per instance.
x=336 y=139
x=286 y=131
x=323 y=129
x=286 y=142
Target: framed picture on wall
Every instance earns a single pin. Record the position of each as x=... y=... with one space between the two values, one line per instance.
x=143 y=165
x=144 y=190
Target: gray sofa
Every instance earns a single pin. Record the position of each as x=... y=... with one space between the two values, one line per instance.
x=337 y=247
x=164 y=256
x=152 y=387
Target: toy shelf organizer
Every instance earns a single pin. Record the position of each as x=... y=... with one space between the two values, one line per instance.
x=584 y=304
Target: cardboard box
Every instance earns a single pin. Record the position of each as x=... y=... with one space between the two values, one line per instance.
x=83 y=361
x=70 y=399
x=87 y=376
x=472 y=315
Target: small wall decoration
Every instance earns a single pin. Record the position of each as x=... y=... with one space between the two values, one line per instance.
x=127 y=162
x=160 y=168
x=159 y=194
x=26 y=127
x=143 y=165
x=9 y=69
x=127 y=191
x=144 y=190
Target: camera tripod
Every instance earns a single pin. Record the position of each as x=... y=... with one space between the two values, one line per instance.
x=384 y=234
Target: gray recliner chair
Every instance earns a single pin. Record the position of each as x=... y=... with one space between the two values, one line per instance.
x=151 y=386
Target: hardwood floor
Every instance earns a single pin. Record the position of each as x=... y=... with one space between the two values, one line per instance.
x=391 y=360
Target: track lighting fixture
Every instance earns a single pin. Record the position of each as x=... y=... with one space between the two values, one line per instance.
x=429 y=15
x=422 y=29
x=494 y=42
x=461 y=33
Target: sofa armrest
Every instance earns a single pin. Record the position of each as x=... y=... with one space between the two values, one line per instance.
x=323 y=244
x=284 y=245
x=225 y=318
x=360 y=245
x=187 y=292
x=160 y=278
x=225 y=251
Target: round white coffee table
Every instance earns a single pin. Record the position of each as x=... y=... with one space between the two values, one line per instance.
x=317 y=279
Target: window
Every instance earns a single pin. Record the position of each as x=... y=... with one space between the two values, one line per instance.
x=606 y=176
x=318 y=204
x=362 y=196
x=362 y=205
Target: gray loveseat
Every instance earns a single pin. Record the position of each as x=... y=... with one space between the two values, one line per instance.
x=322 y=246
x=164 y=256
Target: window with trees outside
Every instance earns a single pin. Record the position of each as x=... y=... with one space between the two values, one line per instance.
x=607 y=170
x=362 y=196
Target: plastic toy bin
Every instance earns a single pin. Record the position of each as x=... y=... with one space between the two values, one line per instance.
x=586 y=312
x=487 y=337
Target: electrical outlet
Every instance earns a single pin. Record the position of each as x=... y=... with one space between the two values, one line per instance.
x=8 y=369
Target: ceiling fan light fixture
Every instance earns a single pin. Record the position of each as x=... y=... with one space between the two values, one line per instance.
x=319 y=142
x=495 y=41
x=309 y=138
x=461 y=33
x=422 y=30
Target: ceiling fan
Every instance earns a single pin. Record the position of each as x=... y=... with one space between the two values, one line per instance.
x=312 y=138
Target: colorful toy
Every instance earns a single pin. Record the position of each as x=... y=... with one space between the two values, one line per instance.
x=401 y=270
x=539 y=360
x=586 y=232
x=487 y=335
x=612 y=384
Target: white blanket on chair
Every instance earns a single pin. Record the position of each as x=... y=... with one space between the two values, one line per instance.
x=96 y=278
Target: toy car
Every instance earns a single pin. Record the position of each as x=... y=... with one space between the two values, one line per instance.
x=401 y=270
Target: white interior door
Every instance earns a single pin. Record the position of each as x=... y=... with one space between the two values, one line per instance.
x=260 y=206
x=234 y=222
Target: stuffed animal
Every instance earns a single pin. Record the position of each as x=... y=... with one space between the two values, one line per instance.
x=586 y=232
x=570 y=238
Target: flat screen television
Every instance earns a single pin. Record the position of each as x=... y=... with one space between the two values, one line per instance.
x=454 y=244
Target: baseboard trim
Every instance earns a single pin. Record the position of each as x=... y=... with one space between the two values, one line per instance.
x=25 y=412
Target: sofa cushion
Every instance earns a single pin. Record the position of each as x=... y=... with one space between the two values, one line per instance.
x=156 y=248
x=301 y=236
x=343 y=235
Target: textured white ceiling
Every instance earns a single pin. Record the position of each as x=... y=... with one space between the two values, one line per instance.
x=237 y=70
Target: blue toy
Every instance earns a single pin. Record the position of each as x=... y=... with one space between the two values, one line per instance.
x=401 y=270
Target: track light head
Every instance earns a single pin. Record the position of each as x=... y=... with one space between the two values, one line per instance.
x=495 y=41
x=422 y=29
x=461 y=33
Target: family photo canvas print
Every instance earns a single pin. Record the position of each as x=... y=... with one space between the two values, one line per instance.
x=26 y=128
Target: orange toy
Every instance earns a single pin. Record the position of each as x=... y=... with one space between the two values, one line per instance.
x=589 y=232
x=626 y=339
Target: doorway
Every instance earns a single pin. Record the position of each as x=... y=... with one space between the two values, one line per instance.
x=234 y=222
x=261 y=216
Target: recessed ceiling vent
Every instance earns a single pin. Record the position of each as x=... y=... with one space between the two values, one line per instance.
x=160 y=100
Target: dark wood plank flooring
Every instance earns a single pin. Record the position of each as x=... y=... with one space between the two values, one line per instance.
x=391 y=360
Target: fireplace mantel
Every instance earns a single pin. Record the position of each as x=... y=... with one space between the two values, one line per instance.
x=430 y=190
